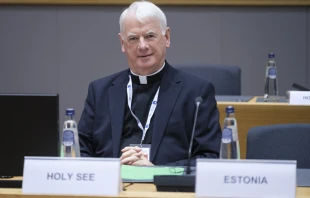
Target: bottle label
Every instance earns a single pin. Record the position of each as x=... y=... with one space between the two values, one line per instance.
x=226 y=135
x=68 y=138
x=272 y=73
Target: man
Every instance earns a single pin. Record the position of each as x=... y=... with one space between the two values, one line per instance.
x=151 y=104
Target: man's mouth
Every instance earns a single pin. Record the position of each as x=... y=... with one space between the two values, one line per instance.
x=144 y=56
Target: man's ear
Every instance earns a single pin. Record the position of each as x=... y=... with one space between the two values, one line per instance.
x=167 y=35
x=122 y=42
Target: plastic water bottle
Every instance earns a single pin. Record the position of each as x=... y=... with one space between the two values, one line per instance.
x=271 y=80
x=230 y=142
x=70 y=138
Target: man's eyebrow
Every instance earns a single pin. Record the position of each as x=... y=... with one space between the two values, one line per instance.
x=150 y=32
x=131 y=34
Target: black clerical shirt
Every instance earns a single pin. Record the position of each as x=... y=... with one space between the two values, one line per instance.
x=143 y=95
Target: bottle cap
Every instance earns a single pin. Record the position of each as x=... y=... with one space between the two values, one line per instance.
x=230 y=109
x=70 y=111
x=271 y=55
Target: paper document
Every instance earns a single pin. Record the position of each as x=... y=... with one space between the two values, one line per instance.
x=146 y=173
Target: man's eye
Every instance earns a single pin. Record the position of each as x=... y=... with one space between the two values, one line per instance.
x=132 y=38
x=150 y=36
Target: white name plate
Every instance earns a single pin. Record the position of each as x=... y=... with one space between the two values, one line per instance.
x=299 y=97
x=245 y=178
x=71 y=176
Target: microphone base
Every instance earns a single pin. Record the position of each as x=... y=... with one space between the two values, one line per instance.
x=175 y=183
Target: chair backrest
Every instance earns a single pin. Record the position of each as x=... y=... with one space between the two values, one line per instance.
x=226 y=79
x=280 y=142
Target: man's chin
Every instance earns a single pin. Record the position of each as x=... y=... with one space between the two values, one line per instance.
x=146 y=63
x=146 y=68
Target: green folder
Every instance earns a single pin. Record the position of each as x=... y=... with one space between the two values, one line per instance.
x=146 y=173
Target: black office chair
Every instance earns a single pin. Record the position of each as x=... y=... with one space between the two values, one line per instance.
x=280 y=142
x=226 y=79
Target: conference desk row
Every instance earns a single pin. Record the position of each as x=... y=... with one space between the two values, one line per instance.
x=136 y=190
x=248 y=114
x=252 y=113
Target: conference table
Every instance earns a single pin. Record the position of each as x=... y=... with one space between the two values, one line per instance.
x=135 y=190
x=248 y=114
x=252 y=113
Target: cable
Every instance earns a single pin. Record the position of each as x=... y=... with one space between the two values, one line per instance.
x=124 y=187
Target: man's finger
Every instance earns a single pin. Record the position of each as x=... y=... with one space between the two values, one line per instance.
x=145 y=156
x=140 y=154
x=142 y=162
x=127 y=148
x=130 y=159
x=128 y=154
x=133 y=158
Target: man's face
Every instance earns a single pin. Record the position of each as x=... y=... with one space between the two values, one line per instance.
x=144 y=45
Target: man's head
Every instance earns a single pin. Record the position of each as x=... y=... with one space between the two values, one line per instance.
x=144 y=37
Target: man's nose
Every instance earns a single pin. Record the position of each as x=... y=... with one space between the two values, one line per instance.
x=143 y=44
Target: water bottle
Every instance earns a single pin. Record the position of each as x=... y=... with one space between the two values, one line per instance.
x=70 y=138
x=271 y=82
x=230 y=142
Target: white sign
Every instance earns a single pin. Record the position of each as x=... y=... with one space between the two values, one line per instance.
x=299 y=97
x=71 y=176
x=245 y=178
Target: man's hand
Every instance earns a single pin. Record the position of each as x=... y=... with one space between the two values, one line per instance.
x=134 y=156
x=142 y=161
x=130 y=154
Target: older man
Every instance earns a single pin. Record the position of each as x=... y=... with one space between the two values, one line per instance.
x=151 y=104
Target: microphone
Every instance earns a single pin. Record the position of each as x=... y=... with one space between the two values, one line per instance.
x=198 y=101
x=299 y=87
x=180 y=183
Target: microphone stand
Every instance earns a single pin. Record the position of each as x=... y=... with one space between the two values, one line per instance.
x=188 y=167
x=180 y=183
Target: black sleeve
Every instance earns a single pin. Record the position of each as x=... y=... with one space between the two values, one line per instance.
x=85 y=126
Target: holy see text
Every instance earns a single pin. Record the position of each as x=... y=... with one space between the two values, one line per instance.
x=71 y=176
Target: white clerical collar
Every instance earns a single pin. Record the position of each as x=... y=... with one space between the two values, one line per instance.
x=144 y=79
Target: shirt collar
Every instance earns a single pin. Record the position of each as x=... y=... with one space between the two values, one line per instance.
x=148 y=79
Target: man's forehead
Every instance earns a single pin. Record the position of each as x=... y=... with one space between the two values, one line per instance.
x=133 y=25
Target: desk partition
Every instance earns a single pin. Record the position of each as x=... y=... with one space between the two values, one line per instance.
x=252 y=113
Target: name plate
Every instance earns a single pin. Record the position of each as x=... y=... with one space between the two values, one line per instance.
x=299 y=97
x=245 y=178
x=71 y=176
